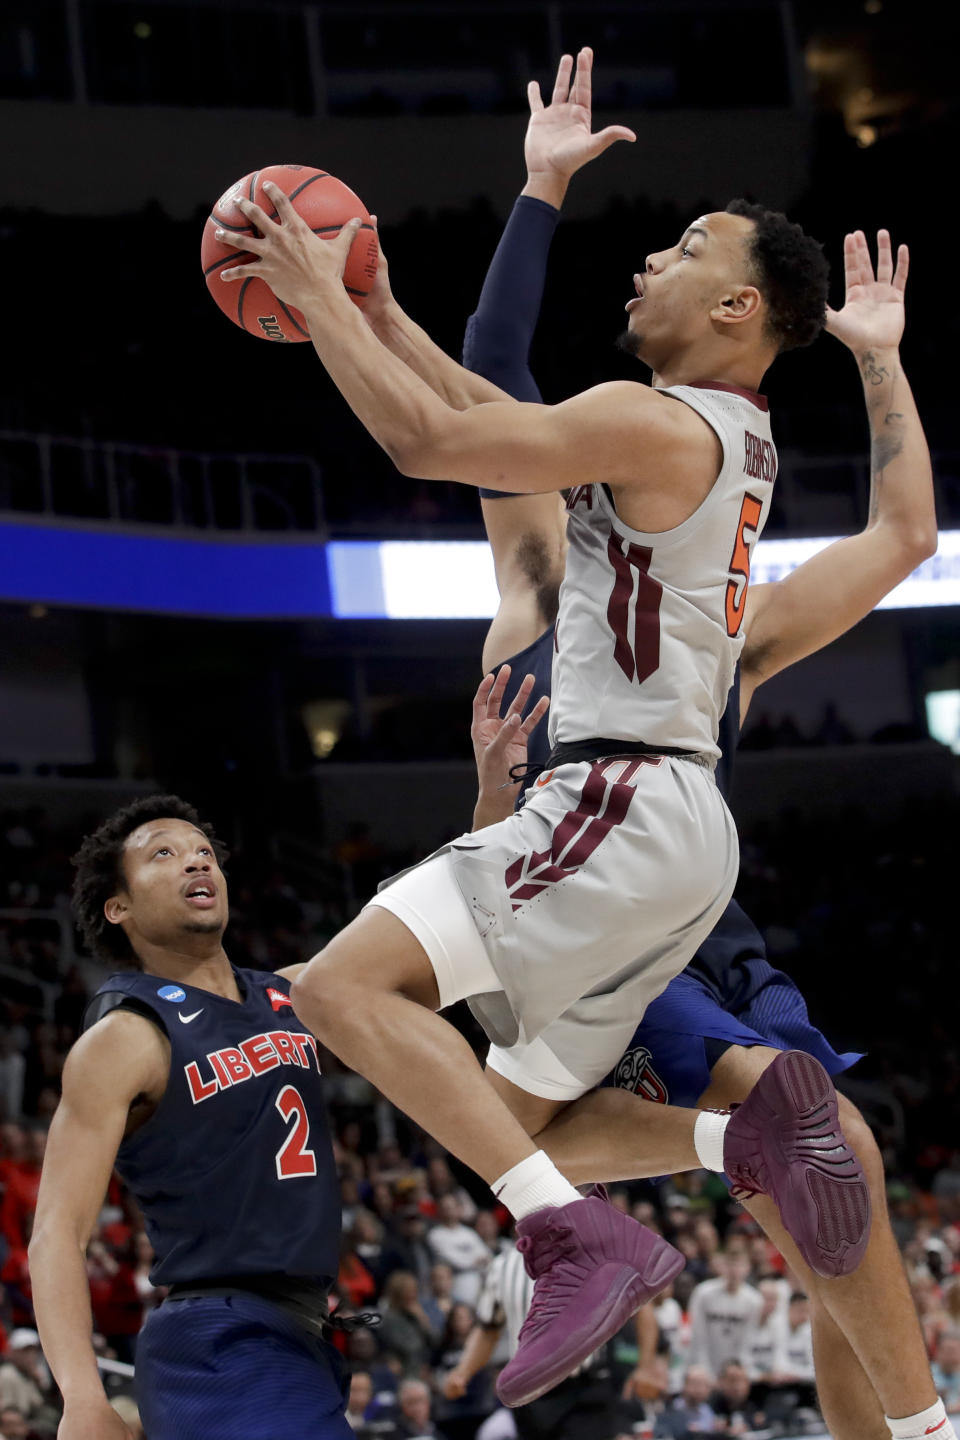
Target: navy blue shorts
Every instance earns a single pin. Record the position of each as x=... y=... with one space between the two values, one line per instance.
x=686 y=1029
x=236 y=1368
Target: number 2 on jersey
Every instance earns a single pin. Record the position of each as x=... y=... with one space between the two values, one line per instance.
x=750 y=512
x=294 y=1158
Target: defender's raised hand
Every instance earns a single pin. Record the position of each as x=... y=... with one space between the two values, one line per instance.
x=500 y=742
x=873 y=314
x=559 y=139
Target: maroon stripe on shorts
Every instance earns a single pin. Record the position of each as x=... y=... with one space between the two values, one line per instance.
x=577 y=835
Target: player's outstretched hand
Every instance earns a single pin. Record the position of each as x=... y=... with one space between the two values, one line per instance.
x=296 y=264
x=873 y=314
x=559 y=139
x=500 y=741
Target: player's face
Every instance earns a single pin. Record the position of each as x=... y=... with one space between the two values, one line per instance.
x=174 y=885
x=679 y=288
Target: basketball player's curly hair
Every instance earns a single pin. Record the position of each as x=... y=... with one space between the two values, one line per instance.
x=99 y=870
x=791 y=273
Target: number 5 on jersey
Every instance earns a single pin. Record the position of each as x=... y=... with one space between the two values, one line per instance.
x=294 y=1158
x=750 y=512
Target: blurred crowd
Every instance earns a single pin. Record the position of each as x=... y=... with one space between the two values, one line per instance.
x=421 y=1237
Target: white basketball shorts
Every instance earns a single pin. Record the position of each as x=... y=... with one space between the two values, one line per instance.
x=562 y=923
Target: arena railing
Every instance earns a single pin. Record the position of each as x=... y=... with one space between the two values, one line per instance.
x=119 y=485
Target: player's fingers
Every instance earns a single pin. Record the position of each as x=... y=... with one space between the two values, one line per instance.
x=240 y=272
x=348 y=231
x=534 y=98
x=884 y=258
x=253 y=243
x=519 y=702
x=864 y=263
x=505 y=736
x=605 y=138
x=535 y=716
x=581 y=94
x=561 y=86
x=851 y=264
x=495 y=698
x=257 y=216
x=903 y=268
x=480 y=698
x=284 y=205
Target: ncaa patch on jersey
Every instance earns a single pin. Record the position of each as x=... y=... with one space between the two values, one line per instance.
x=277 y=998
x=172 y=992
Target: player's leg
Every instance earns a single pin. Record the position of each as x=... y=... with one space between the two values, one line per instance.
x=370 y=997
x=848 y=1402
x=614 y=1135
x=872 y=1306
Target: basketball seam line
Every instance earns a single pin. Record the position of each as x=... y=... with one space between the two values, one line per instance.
x=237 y=229
x=217 y=263
x=291 y=318
x=325 y=229
x=243 y=291
x=323 y=175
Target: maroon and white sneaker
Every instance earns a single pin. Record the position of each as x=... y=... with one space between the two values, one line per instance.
x=594 y=1267
x=785 y=1141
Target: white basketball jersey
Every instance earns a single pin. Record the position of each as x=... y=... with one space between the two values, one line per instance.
x=649 y=629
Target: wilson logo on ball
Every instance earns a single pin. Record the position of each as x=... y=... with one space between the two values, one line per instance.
x=270 y=327
x=326 y=204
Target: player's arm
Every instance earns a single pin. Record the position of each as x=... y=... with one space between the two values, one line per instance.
x=477 y=1354
x=121 y=1058
x=644 y=1378
x=527 y=533
x=558 y=142
x=822 y=598
x=411 y=344
x=621 y=433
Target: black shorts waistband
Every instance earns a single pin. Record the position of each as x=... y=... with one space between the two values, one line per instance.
x=303 y=1300
x=599 y=748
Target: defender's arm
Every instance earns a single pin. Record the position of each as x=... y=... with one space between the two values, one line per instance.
x=122 y=1058
x=831 y=592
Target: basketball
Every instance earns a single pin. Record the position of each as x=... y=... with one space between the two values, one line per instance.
x=326 y=204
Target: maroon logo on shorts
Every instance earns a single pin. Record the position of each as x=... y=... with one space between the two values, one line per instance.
x=636 y=1073
x=602 y=805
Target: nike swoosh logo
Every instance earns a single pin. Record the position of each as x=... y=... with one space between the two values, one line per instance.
x=185 y=1019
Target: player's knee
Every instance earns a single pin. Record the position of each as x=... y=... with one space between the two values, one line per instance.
x=860 y=1136
x=321 y=993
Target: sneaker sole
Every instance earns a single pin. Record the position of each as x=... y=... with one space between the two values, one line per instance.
x=622 y=1291
x=828 y=1215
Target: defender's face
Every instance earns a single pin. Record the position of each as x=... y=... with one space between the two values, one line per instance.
x=680 y=287
x=174 y=885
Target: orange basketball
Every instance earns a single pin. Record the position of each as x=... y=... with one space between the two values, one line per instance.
x=326 y=204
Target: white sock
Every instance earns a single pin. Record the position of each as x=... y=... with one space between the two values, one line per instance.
x=933 y=1421
x=708 y=1133
x=533 y=1185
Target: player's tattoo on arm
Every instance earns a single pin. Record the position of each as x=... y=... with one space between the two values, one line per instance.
x=887 y=427
x=872 y=372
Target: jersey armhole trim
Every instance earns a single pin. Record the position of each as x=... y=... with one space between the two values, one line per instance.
x=664 y=539
x=104 y=1004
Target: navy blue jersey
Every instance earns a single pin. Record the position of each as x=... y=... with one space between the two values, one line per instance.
x=234 y=1171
